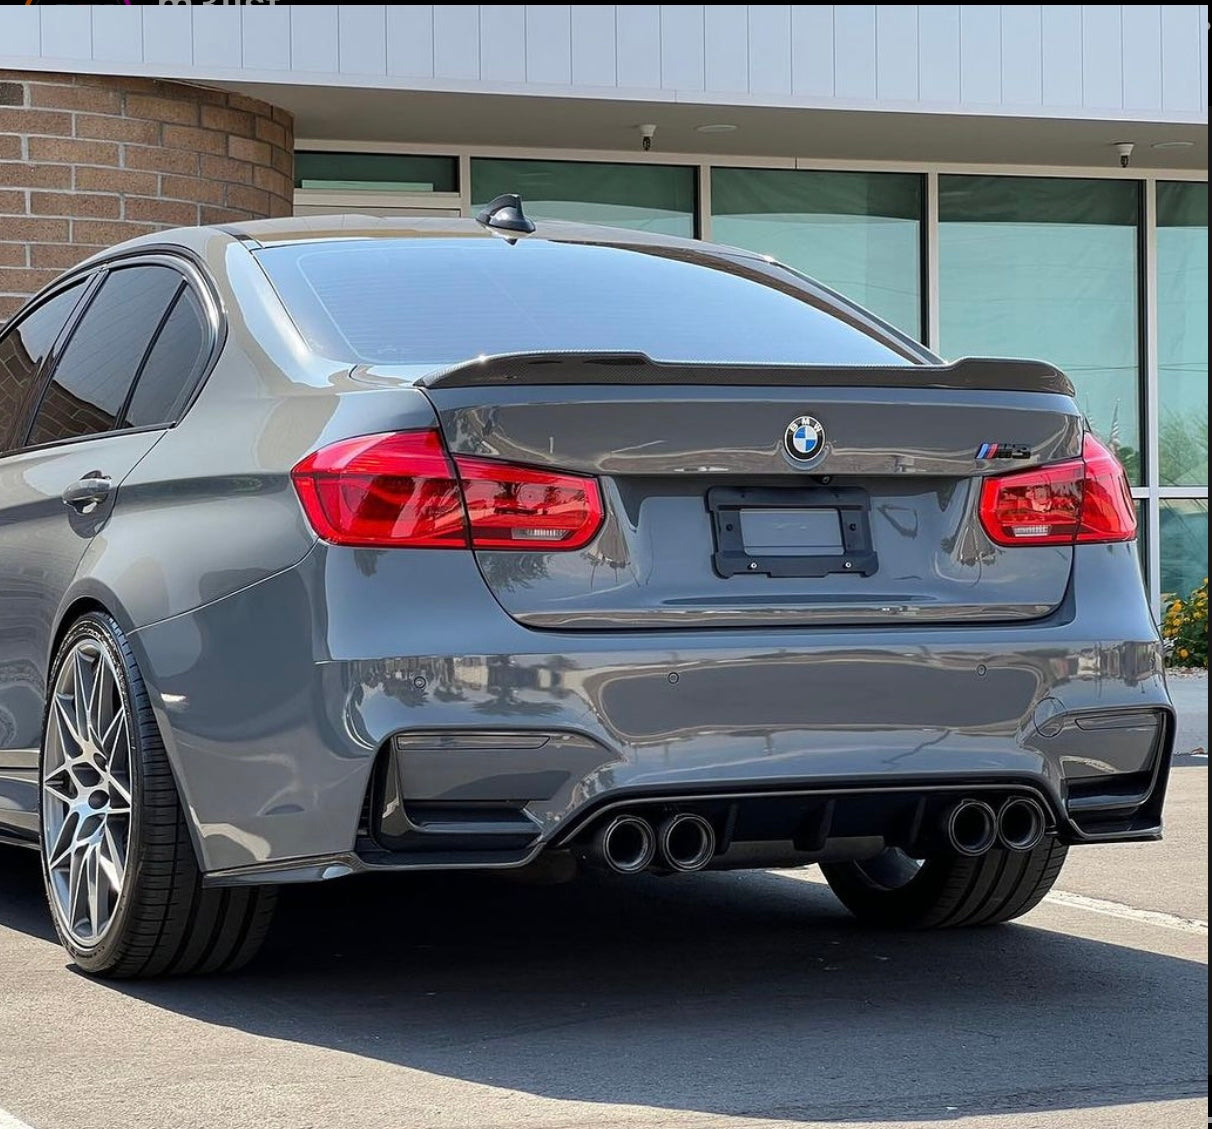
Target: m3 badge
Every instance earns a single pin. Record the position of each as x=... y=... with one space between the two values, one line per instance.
x=1002 y=451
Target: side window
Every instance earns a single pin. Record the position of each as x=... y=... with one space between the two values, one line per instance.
x=172 y=366
x=94 y=375
x=22 y=350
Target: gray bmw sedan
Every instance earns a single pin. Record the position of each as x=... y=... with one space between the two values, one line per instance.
x=341 y=544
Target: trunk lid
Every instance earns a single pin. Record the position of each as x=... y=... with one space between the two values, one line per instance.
x=711 y=519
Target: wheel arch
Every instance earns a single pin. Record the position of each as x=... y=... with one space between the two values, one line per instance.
x=88 y=597
x=84 y=597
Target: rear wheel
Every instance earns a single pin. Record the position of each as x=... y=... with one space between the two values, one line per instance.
x=896 y=890
x=124 y=886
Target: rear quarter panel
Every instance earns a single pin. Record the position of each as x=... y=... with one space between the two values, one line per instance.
x=212 y=510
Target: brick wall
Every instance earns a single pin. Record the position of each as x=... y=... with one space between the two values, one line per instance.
x=88 y=161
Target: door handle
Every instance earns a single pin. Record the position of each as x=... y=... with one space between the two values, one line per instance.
x=91 y=490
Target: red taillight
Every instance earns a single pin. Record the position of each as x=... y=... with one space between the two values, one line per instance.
x=1083 y=500
x=517 y=507
x=402 y=490
x=382 y=490
x=1108 y=512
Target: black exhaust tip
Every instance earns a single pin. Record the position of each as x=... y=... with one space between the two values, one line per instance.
x=1021 y=823
x=626 y=844
x=686 y=842
x=971 y=828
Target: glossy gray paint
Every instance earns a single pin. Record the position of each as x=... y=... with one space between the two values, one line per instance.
x=651 y=565
x=278 y=665
x=279 y=696
x=42 y=542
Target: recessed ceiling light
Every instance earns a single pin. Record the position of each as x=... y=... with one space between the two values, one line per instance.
x=715 y=127
x=1172 y=145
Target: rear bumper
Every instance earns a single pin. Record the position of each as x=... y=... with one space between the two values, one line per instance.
x=365 y=690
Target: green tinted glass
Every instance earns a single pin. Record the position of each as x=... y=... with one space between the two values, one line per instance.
x=386 y=172
x=857 y=232
x=1182 y=332
x=658 y=198
x=1034 y=267
x=1183 y=545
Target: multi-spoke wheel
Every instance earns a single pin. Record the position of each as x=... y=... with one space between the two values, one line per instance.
x=86 y=792
x=121 y=875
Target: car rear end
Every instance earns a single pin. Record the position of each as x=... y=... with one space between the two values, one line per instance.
x=678 y=562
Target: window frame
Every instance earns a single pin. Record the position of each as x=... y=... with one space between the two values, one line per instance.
x=192 y=275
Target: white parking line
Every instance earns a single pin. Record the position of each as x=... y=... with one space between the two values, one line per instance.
x=1129 y=913
x=8 y=1121
x=1072 y=901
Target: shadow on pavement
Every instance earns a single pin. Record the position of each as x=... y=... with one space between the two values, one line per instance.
x=732 y=994
x=22 y=900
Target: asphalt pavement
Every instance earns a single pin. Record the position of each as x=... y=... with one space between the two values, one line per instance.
x=473 y=1002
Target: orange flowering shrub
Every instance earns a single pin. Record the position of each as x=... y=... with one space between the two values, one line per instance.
x=1185 y=629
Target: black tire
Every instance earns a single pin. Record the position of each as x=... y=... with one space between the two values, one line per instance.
x=946 y=891
x=165 y=922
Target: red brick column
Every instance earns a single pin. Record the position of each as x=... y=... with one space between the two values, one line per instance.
x=87 y=161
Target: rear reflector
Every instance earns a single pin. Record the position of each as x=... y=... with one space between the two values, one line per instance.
x=1082 y=500
x=402 y=490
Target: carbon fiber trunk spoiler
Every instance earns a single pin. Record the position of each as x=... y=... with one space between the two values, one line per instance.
x=977 y=374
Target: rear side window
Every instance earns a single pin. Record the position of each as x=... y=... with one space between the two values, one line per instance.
x=96 y=372
x=172 y=366
x=439 y=301
x=23 y=349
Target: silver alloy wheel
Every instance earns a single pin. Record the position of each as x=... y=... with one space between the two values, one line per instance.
x=86 y=793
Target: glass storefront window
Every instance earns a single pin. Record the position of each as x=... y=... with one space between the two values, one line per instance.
x=658 y=198
x=382 y=172
x=858 y=232
x=1043 y=267
x=1184 y=544
x=1182 y=332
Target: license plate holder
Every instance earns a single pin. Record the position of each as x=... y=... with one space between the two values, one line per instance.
x=732 y=557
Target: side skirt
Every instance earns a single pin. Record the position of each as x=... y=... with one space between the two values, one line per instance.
x=19 y=796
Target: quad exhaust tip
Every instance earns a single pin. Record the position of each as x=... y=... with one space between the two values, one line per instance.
x=971 y=828
x=626 y=844
x=686 y=842
x=1021 y=823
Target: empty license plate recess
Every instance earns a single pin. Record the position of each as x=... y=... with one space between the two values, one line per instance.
x=789 y=532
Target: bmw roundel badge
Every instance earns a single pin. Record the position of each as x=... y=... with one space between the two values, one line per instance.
x=804 y=438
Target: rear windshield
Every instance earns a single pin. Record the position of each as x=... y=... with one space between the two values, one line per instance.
x=444 y=300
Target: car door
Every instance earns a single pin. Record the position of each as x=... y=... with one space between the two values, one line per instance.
x=66 y=455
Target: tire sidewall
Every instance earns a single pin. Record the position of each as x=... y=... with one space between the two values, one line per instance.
x=103 y=631
x=907 y=906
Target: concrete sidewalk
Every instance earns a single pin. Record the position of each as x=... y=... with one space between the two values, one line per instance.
x=1190 y=695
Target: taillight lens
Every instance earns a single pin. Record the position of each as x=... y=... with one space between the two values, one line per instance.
x=1108 y=512
x=381 y=490
x=402 y=490
x=1082 y=500
x=515 y=507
